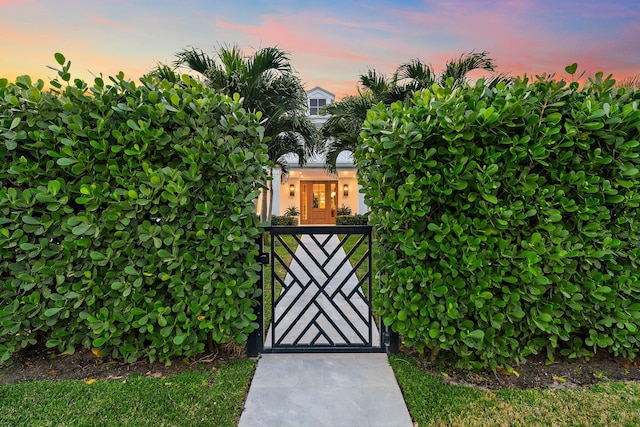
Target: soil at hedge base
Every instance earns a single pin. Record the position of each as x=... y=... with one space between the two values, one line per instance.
x=45 y=364
x=537 y=372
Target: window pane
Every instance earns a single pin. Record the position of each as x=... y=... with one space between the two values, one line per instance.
x=321 y=102
x=334 y=199
x=303 y=202
x=319 y=197
x=313 y=102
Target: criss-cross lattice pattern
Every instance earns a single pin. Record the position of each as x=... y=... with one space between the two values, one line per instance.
x=321 y=301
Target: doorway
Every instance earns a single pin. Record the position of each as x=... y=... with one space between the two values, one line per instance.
x=318 y=202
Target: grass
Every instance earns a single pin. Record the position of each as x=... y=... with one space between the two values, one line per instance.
x=432 y=403
x=190 y=398
x=205 y=398
x=280 y=272
x=349 y=243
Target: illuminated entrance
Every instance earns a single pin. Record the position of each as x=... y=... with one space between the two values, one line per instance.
x=318 y=202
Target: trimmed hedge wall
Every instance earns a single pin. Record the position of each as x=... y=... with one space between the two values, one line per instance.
x=126 y=216
x=357 y=219
x=284 y=220
x=507 y=219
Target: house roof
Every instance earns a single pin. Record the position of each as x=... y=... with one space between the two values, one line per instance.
x=319 y=89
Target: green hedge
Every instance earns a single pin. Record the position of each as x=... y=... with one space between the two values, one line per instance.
x=284 y=220
x=508 y=219
x=356 y=219
x=126 y=216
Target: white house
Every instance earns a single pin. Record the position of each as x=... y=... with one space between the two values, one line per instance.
x=311 y=188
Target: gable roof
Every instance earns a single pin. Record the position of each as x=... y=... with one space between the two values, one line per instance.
x=319 y=90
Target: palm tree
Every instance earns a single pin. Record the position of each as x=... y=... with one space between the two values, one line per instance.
x=631 y=82
x=343 y=127
x=267 y=83
x=344 y=124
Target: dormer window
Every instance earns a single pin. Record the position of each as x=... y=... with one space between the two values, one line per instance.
x=315 y=104
x=317 y=98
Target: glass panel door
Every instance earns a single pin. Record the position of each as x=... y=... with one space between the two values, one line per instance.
x=334 y=200
x=318 y=202
x=319 y=196
x=304 y=204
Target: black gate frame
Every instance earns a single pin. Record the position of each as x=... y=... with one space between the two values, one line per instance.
x=389 y=340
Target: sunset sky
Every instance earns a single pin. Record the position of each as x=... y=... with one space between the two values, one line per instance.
x=330 y=42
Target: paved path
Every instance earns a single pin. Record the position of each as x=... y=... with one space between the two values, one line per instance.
x=323 y=390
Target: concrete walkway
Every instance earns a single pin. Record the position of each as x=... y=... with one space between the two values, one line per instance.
x=322 y=390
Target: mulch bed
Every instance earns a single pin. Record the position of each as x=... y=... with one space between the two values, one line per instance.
x=537 y=373
x=45 y=364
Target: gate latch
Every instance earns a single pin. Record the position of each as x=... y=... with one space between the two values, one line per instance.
x=263 y=259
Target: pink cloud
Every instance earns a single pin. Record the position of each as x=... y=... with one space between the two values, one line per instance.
x=316 y=55
x=327 y=48
x=290 y=33
x=518 y=40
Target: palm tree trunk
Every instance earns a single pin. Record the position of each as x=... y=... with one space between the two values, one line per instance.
x=265 y=208
x=270 y=203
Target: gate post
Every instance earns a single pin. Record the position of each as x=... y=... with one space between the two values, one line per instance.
x=255 y=341
x=391 y=340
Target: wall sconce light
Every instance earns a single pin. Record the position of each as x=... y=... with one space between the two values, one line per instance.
x=292 y=190
x=345 y=190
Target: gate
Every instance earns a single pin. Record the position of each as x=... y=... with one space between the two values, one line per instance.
x=319 y=299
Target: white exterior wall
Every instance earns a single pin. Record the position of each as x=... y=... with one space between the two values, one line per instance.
x=277 y=192
x=282 y=199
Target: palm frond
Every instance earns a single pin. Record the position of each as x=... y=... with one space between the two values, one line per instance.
x=267 y=83
x=631 y=82
x=416 y=72
x=195 y=60
x=333 y=151
x=164 y=72
x=232 y=59
x=293 y=133
x=457 y=69
x=269 y=59
x=495 y=79
x=375 y=82
x=282 y=93
x=343 y=127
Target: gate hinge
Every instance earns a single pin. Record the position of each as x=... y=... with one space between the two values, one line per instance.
x=386 y=337
x=263 y=259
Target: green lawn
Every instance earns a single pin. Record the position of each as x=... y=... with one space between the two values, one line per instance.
x=188 y=399
x=215 y=398
x=432 y=403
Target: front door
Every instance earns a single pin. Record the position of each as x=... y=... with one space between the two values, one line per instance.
x=318 y=202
